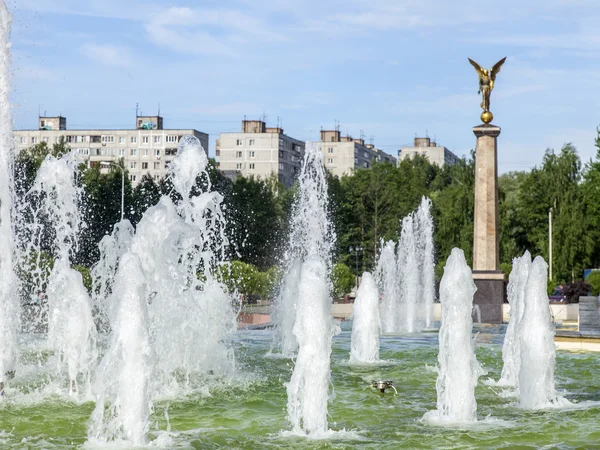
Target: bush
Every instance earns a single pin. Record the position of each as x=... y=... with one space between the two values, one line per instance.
x=594 y=281
x=575 y=290
x=343 y=280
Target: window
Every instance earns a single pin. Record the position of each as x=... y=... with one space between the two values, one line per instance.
x=43 y=123
x=157 y=152
x=58 y=138
x=145 y=139
x=238 y=142
x=238 y=154
x=22 y=140
x=157 y=139
x=156 y=177
x=108 y=139
x=95 y=139
x=251 y=166
x=34 y=140
x=332 y=138
x=280 y=154
x=121 y=139
x=144 y=165
x=250 y=141
x=45 y=139
x=251 y=154
x=172 y=138
x=329 y=160
x=238 y=166
x=330 y=150
x=133 y=139
x=122 y=152
x=281 y=166
x=173 y=152
x=145 y=152
x=132 y=177
x=132 y=165
x=366 y=155
x=133 y=152
x=156 y=165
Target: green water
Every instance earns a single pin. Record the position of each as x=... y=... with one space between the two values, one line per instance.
x=249 y=412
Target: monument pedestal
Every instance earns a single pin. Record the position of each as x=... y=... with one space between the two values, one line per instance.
x=486 y=247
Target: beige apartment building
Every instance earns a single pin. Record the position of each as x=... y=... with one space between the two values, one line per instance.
x=260 y=151
x=426 y=147
x=342 y=155
x=146 y=149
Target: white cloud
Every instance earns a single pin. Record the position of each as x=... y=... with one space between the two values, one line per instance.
x=110 y=55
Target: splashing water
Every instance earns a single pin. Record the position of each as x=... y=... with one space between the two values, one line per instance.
x=458 y=367
x=387 y=279
x=511 y=349
x=424 y=232
x=364 y=346
x=308 y=389
x=408 y=273
x=180 y=248
x=71 y=329
x=284 y=314
x=123 y=404
x=9 y=307
x=538 y=353
x=112 y=247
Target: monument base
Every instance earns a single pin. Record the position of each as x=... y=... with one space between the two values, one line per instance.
x=489 y=297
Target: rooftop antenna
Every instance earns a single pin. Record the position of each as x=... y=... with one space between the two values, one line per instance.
x=46 y=115
x=426 y=133
x=371 y=139
x=362 y=134
x=337 y=125
x=137 y=109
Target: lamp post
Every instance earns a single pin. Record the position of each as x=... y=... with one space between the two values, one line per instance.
x=550 y=242
x=356 y=249
x=108 y=163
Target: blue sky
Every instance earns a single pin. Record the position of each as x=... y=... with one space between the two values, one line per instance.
x=388 y=68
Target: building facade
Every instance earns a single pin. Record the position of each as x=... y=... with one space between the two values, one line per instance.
x=260 y=151
x=429 y=149
x=342 y=155
x=147 y=149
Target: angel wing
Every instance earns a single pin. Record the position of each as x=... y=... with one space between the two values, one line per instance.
x=496 y=68
x=478 y=68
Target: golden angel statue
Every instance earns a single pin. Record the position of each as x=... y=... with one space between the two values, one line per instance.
x=486 y=85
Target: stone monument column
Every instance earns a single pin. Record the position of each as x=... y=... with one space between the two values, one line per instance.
x=487 y=275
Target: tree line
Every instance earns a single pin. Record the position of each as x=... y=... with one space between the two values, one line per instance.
x=366 y=208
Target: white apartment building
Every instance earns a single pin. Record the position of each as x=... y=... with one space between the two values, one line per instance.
x=342 y=155
x=260 y=151
x=426 y=147
x=147 y=149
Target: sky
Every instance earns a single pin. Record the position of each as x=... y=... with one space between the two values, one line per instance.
x=387 y=69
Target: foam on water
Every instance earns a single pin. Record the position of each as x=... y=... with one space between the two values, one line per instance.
x=458 y=367
x=364 y=346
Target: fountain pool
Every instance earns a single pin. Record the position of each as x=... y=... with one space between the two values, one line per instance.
x=250 y=411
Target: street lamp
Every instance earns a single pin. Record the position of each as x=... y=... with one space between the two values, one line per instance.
x=107 y=164
x=356 y=249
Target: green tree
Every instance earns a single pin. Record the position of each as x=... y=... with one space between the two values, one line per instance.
x=343 y=280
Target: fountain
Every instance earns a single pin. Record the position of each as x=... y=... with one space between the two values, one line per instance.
x=9 y=307
x=71 y=328
x=284 y=311
x=410 y=284
x=123 y=407
x=387 y=280
x=308 y=389
x=407 y=279
x=364 y=346
x=424 y=232
x=458 y=367
x=511 y=349
x=536 y=336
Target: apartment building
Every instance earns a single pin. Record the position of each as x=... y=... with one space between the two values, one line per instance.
x=146 y=149
x=342 y=155
x=260 y=151
x=436 y=154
